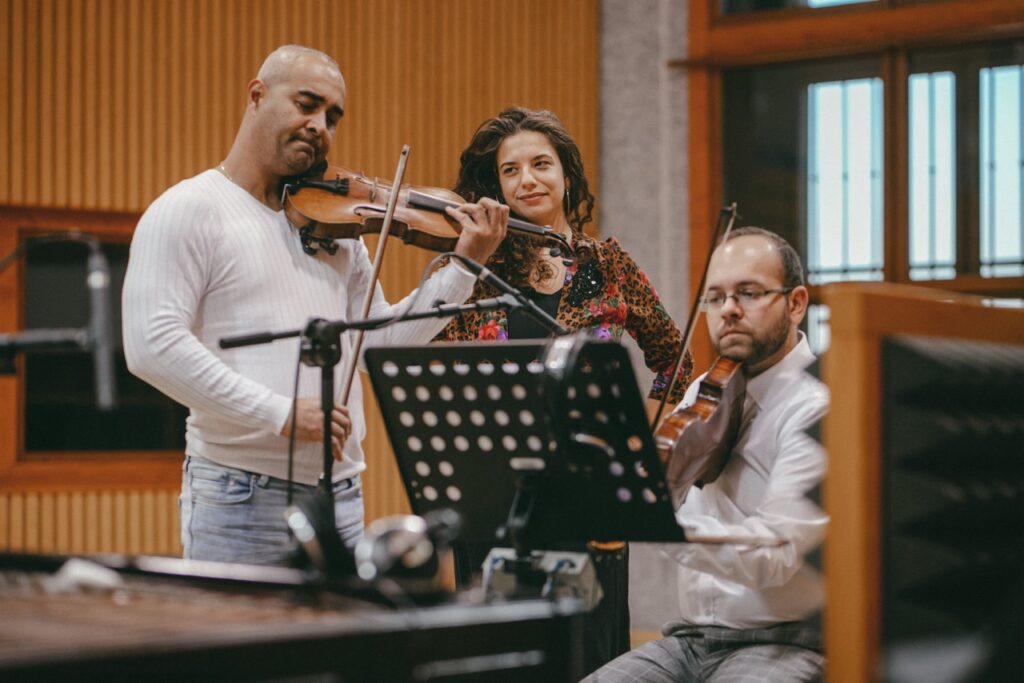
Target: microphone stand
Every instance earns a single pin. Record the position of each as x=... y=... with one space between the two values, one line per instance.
x=321 y=347
x=486 y=276
x=97 y=337
x=51 y=339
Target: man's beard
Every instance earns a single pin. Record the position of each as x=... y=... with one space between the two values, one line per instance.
x=301 y=165
x=773 y=340
x=764 y=345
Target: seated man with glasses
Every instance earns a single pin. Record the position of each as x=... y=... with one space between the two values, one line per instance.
x=748 y=611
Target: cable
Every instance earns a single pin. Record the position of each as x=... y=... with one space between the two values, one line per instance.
x=291 y=430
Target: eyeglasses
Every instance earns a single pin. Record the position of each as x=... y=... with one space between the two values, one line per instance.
x=746 y=297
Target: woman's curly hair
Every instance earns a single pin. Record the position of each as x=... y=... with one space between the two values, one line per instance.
x=517 y=258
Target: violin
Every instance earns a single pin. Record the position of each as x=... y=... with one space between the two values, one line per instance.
x=345 y=204
x=694 y=443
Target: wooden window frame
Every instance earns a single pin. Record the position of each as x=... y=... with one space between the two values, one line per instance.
x=64 y=470
x=887 y=29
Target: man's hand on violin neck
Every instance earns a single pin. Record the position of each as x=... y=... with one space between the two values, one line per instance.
x=309 y=424
x=484 y=225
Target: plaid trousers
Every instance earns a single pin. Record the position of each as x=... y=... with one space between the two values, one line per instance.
x=787 y=652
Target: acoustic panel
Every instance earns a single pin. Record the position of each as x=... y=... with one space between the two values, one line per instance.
x=953 y=486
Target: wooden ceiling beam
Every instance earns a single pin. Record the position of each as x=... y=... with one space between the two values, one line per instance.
x=767 y=37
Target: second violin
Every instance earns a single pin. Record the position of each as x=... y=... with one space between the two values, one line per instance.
x=695 y=442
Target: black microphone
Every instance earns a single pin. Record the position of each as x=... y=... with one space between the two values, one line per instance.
x=100 y=331
x=485 y=275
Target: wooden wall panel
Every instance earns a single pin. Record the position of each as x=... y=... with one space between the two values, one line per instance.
x=136 y=522
x=106 y=103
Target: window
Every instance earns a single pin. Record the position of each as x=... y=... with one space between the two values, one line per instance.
x=844 y=180
x=803 y=157
x=59 y=386
x=964 y=156
x=804 y=150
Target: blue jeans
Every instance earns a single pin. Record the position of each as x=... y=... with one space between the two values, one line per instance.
x=230 y=515
x=787 y=653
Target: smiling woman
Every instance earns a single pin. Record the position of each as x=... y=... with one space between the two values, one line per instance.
x=527 y=160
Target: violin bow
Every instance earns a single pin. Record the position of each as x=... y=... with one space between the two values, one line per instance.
x=691 y=320
x=357 y=344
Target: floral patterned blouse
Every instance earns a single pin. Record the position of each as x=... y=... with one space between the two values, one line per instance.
x=607 y=295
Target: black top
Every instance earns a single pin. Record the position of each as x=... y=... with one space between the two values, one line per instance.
x=521 y=325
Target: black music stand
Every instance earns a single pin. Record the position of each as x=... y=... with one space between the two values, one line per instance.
x=534 y=453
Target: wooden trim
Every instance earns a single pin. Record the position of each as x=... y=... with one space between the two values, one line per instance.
x=108 y=472
x=48 y=472
x=1004 y=287
x=896 y=171
x=9 y=383
x=705 y=167
x=968 y=178
x=45 y=218
x=983 y=286
x=705 y=192
x=699 y=23
x=766 y=37
x=96 y=456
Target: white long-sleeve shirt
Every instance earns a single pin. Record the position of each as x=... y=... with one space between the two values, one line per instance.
x=209 y=261
x=761 y=492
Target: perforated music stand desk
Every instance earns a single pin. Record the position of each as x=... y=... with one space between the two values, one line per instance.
x=472 y=422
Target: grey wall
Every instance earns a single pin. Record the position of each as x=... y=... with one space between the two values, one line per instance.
x=643 y=200
x=643 y=138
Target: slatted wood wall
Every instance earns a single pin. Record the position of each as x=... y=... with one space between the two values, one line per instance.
x=90 y=522
x=105 y=103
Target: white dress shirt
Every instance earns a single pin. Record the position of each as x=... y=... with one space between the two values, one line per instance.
x=762 y=492
x=209 y=261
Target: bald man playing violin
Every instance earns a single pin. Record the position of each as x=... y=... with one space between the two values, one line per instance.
x=215 y=256
x=748 y=607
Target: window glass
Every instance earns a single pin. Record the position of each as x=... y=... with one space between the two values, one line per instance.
x=1001 y=163
x=932 y=182
x=61 y=413
x=844 y=180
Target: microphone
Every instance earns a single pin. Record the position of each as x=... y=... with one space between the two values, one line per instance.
x=485 y=275
x=100 y=332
